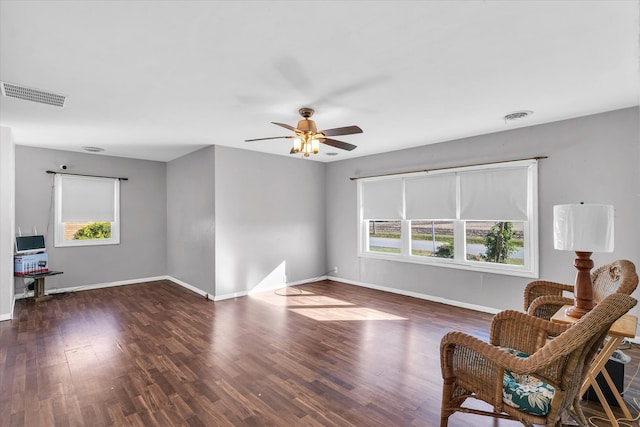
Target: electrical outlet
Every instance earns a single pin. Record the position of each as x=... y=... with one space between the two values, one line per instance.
x=335 y=269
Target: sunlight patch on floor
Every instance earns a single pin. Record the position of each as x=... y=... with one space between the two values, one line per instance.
x=297 y=297
x=332 y=314
x=320 y=307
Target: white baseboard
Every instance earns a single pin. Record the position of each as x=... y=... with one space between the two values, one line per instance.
x=274 y=287
x=246 y=293
x=95 y=286
x=427 y=297
x=480 y=308
x=314 y=279
x=231 y=295
x=190 y=287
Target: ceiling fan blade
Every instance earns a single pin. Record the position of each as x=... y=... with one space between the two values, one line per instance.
x=294 y=72
x=271 y=137
x=352 y=88
x=286 y=126
x=338 y=144
x=347 y=130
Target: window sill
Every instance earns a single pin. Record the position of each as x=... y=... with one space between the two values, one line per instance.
x=503 y=269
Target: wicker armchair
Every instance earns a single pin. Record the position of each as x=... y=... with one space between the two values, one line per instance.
x=543 y=299
x=473 y=368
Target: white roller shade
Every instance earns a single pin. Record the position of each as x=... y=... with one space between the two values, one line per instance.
x=497 y=194
x=431 y=197
x=382 y=199
x=88 y=199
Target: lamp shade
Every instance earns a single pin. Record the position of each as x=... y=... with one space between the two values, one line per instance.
x=583 y=228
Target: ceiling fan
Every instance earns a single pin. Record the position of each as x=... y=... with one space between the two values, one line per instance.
x=307 y=138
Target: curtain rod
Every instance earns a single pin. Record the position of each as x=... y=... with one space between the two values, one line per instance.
x=93 y=176
x=353 y=178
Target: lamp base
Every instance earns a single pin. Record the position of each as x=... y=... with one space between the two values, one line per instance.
x=576 y=312
x=583 y=291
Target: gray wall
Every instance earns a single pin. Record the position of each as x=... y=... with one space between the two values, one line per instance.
x=191 y=219
x=270 y=220
x=592 y=159
x=142 y=249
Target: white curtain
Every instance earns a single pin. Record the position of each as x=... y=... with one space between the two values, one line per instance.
x=431 y=197
x=495 y=194
x=88 y=199
x=382 y=199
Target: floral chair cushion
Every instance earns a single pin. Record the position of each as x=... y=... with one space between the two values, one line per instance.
x=526 y=392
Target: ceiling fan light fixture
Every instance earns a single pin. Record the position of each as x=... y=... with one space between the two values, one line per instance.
x=306 y=149
x=307 y=138
x=297 y=144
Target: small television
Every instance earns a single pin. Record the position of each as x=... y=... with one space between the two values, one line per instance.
x=30 y=244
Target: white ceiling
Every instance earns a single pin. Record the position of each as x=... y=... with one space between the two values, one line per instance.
x=159 y=79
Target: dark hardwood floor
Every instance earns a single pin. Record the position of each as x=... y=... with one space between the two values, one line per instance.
x=321 y=354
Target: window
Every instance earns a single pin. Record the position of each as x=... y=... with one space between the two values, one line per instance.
x=384 y=236
x=480 y=218
x=87 y=210
x=432 y=238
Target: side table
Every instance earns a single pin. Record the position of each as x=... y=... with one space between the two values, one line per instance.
x=624 y=327
x=38 y=286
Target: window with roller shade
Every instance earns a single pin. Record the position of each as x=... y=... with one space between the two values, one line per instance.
x=86 y=210
x=477 y=218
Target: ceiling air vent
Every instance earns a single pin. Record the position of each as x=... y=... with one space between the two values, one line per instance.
x=517 y=115
x=36 y=95
x=93 y=149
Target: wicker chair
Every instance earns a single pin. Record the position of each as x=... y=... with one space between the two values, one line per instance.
x=473 y=368
x=543 y=299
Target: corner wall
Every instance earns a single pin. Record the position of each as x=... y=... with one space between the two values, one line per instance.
x=191 y=220
x=592 y=159
x=141 y=253
x=270 y=221
x=7 y=212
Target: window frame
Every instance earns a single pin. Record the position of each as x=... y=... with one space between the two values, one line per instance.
x=530 y=268
x=59 y=229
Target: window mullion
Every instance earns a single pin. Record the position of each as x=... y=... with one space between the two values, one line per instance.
x=405 y=237
x=459 y=240
x=458 y=228
x=365 y=234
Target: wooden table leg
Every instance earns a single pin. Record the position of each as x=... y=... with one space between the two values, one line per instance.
x=603 y=400
x=38 y=287
x=616 y=394
x=599 y=361
x=597 y=367
x=38 y=290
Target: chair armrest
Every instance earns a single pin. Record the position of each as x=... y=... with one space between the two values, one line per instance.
x=479 y=364
x=522 y=332
x=540 y=288
x=546 y=306
x=462 y=353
